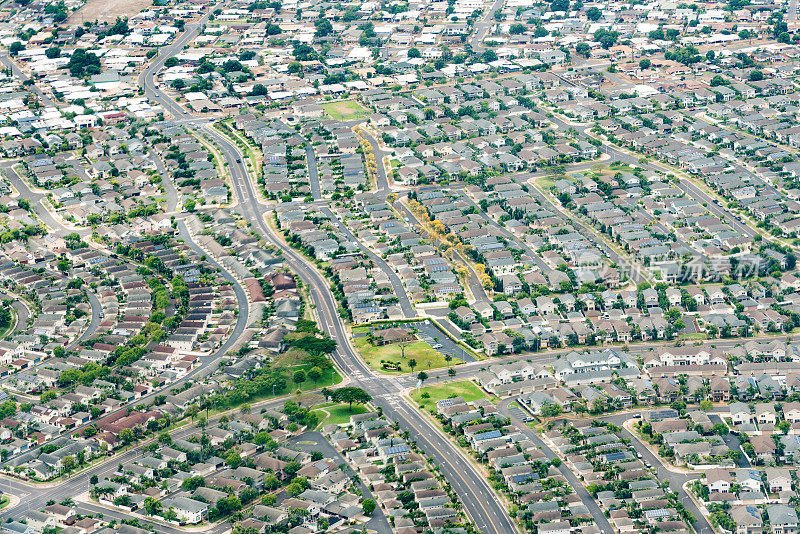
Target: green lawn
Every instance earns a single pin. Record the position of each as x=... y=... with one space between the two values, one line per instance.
x=339 y=414
x=547 y=182
x=345 y=110
x=426 y=356
x=466 y=389
x=329 y=377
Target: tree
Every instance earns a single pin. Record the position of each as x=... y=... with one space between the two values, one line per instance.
x=414 y=53
x=292 y=468
x=489 y=56
x=228 y=505
x=517 y=29
x=192 y=483
x=645 y=64
x=756 y=75
x=583 y=49
x=324 y=27
x=83 y=63
x=315 y=345
x=593 y=13
x=299 y=377
x=350 y=395
x=152 y=506
x=15 y=48
x=52 y=52
x=559 y=5
x=294 y=489
x=271 y=482
x=369 y=506
x=412 y=363
x=315 y=373
x=720 y=429
x=63 y=265
x=718 y=80
x=551 y=410
x=68 y=463
x=233 y=459
x=127 y=436
x=706 y=405
x=422 y=376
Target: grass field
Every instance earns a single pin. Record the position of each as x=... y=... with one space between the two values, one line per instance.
x=338 y=414
x=426 y=356
x=345 y=110
x=466 y=389
x=108 y=10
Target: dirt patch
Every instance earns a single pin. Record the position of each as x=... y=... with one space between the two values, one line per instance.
x=108 y=10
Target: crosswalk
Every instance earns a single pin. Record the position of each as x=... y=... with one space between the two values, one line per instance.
x=391 y=399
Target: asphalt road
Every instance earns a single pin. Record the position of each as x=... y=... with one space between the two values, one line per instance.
x=15 y=71
x=382 y=181
x=635 y=272
x=95 y=321
x=475 y=286
x=208 y=363
x=313 y=172
x=20 y=309
x=314 y=441
x=481 y=28
x=676 y=480
x=409 y=312
x=478 y=498
x=486 y=511
x=685 y=185
x=36 y=201
x=731 y=441
x=586 y=498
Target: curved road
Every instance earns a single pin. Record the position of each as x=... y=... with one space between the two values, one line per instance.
x=478 y=498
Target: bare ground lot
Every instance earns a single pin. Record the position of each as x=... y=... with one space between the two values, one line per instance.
x=108 y=10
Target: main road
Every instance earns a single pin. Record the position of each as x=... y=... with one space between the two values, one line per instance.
x=478 y=498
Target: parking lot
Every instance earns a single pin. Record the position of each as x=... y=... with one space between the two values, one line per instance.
x=433 y=336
